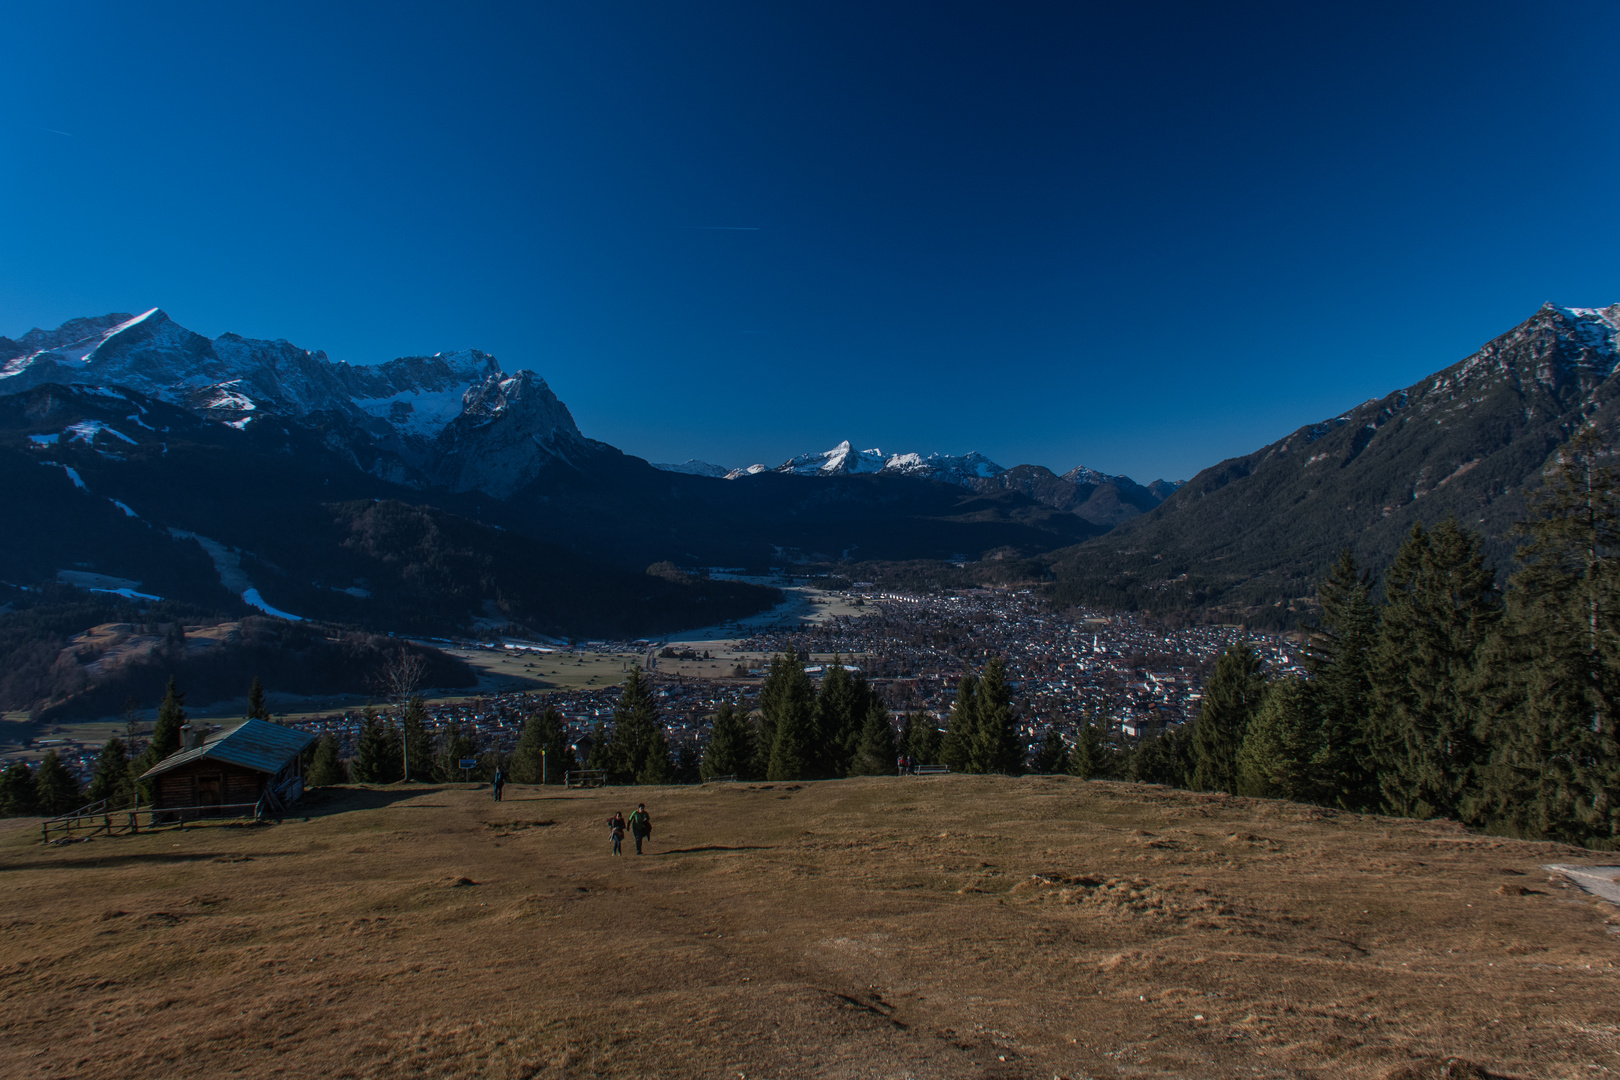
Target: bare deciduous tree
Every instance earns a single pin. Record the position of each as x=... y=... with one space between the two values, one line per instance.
x=400 y=678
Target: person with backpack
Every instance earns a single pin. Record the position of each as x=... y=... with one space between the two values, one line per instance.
x=498 y=783
x=616 y=829
x=640 y=825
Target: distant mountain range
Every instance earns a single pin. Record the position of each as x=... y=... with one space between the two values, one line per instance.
x=1248 y=539
x=443 y=492
x=1096 y=497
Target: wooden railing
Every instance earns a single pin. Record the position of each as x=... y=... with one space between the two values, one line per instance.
x=111 y=820
x=583 y=778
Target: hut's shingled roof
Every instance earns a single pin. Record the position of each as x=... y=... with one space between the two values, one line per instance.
x=253 y=744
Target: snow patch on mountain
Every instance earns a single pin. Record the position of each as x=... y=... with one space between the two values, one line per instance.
x=694 y=467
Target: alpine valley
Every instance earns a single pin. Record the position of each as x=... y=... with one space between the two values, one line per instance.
x=148 y=464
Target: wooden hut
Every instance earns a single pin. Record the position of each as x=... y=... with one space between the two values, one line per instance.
x=230 y=770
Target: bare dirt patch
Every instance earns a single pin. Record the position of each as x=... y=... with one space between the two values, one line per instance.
x=944 y=927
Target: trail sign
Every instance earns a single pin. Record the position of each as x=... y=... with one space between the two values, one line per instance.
x=469 y=763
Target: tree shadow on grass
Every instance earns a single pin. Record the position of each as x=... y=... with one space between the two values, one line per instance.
x=153 y=858
x=713 y=847
x=324 y=802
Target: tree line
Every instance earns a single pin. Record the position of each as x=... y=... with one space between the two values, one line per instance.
x=1451 y=697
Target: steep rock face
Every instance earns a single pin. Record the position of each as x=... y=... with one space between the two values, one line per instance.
x=509 y=429
x=1470 y=440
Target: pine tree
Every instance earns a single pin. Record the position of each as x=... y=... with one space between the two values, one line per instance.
x=18 y=797
x=1231 y=699
x=1053 y=755
x=961 y=736
x=1550 y=677
x=55 y=789
x=875 y=754
x=787 y=706
x=111 y=778
x=543 y=731
x=1280 y=756
x=418 y=741
x=919 y=737
x=730 y=750
x=638 y=751
x=325 y=766
x=840 y=711
x=1339 y=658
x=1167 y=758
x=165 y=738
x=1441 y=605
x=995 y=747
x=1091 y=757
x=377 y=755
x=258 y=707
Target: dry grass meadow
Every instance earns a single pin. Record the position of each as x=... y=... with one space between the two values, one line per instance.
x=893 y=927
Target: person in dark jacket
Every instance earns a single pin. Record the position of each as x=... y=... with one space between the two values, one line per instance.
x=498 y=783
x=640 y=825
x=616 y=830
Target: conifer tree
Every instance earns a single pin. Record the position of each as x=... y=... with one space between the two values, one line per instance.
x=1165 y=758
x=1279 y=758
x=840 y=712
x=600 y=755
x=875 y=753
x=638 y=751
x=1231 y=699
x=1053 y=755
x=995 y=747
x=961 y=736
x=56 y=790
x=543 y=731
x=377 y=754
x=1091 y=757
x=1339 y=658
x=165 y=738
x=787 y=706
x=18 y=797
x=325 y=766
x=919 y=736
x=111 y=778
x=1550 y=678
x=258 y=707
x=1441 y=605
x=730 y=750
x=418 y=741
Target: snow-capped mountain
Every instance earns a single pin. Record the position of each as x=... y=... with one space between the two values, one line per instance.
x=694 y=467
x=844 y=459
x=451 y=418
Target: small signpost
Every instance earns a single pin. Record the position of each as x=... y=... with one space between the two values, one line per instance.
x=467 y=763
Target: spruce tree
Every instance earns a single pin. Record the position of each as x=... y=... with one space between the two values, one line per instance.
x=995 y=748
x=920 y=739
x=1339 y=658
x=1441 y=605
x=1231 y=699
x=730 y=750
x=638 y=751
x=875 y=754
x=1053 y=755
x=55 y=789
x=377 y=754
x=111 y=778
x=543 y=731
x=165 y=738
x=1090 y=758
x=1550 y=678
x=1280 y=755
x=1167 y=758
x=418 y=741
x=961 y=736
x=840 y=712
x=258 y=707
x=18 y=797
x=787 y=706
x=325 y=766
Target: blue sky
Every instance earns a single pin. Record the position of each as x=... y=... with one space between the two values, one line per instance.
x=1143 y=237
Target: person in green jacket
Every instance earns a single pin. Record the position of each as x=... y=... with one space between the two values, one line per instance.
x=640 y=825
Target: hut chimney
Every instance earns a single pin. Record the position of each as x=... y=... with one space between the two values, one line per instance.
x=191 y=736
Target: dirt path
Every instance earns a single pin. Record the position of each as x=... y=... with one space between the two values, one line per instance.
x=952 y=927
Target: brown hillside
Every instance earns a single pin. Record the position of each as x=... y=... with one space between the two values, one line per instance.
x=891 y=927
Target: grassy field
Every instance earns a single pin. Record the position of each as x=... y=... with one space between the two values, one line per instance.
x=890 y=927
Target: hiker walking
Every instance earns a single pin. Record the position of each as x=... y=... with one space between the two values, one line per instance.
x=498 y=783
x=640 y=825
x=616 y=829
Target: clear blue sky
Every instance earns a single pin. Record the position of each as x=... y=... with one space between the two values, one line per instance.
x=1138 y=236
